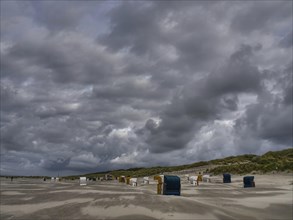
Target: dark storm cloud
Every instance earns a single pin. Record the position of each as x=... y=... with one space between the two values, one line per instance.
x=17 y=134
x=130 y=25
x=239 y=75
x=260 y=15
x=56 y=164
x=10 y=98
x=287 y=41
x=65 y=15
x=204 y=100
x=269 y=121
x=288 y=95
x=64 y=60
x=142 y=29
x=55 y=18
x=88 y=86
x=271 y=117
x=130 y=89
x=287 y=84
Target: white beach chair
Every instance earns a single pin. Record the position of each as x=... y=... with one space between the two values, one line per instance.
x=82 y=181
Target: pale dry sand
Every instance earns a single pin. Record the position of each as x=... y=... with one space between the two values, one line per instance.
x=85 y=191
x=118 y=211
x=20 y=210
x=36 y=199
x=11 y=193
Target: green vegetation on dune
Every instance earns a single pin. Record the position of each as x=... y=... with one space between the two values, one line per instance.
x=140 y=172
x=242 y=164
x=233 y=159
x=270 y=161
x=279 y=161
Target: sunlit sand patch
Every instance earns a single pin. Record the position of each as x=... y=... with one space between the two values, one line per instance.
x=19 y=210
x=262 y=202
x=190 y=192
x=114 y=185
x=27 y=198
x=21 y=189
x=267 y=192
x=104 y=200
x=11 y=193
x=84 y=191
x=120 y=211
x=127 y=197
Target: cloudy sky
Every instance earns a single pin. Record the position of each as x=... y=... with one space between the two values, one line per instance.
x=92 y=86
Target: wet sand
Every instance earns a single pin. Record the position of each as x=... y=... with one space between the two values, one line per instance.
x=36 y=199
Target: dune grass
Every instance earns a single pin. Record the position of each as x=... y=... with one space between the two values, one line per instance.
x=242 y=164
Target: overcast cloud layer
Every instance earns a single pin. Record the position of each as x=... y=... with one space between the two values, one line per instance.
x=92 y=86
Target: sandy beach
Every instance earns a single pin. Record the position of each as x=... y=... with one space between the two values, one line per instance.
x=38 y=199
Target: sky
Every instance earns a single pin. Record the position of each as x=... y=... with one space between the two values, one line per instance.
x=90 y=86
